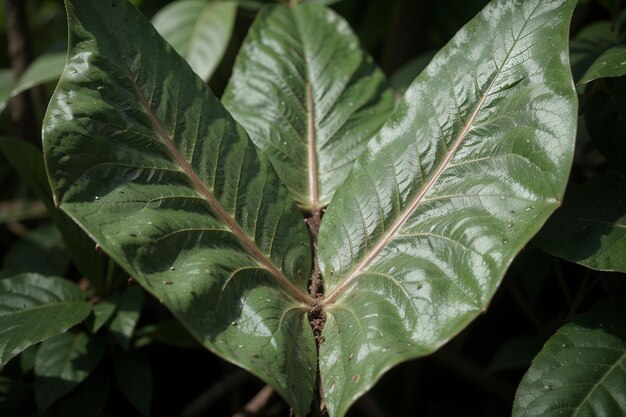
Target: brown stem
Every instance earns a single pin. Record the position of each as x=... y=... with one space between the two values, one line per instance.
x=203 y=402
x=257 y=403
x=316 y=314
x=20 y=54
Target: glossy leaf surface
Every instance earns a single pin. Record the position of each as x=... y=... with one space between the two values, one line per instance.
x=145 y=158
x=416 y=241
x=581 y=370
x=62 y=363
x=199 y=30
x=590 y=228
x=34 y=308
x=309 y=97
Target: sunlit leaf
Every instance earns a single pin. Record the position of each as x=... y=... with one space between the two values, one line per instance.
x=477 y=156
x=199 y=30
x=144 y=157
x=309 y=97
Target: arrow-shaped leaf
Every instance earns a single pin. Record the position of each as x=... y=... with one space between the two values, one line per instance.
x=144 y=157
x=309 y=97
x=466 y=171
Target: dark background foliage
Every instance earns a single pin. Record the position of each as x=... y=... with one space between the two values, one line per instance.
x=476 y=374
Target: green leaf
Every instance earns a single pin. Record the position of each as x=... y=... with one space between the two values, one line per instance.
x=418 y=238
x=44 y=69
x=590 y=228
x=62 y=363
x=612 y=63
x=34 y=308
x=101 y=313
x=127 y=311
x=145 y=158
x=28 y=161
x=134 y=377
x=309 y=97
x=605 y=117
x=581 y=370
x=40 y=251
x=198 y=30
x=587 y=46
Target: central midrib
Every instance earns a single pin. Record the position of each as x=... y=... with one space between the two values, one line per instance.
x=215 y=205
x=389 y=234
x=312 y=150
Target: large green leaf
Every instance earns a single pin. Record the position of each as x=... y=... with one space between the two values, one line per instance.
x=590 y=228
x=62 y=363
x=144 y=157
x=199 y=30
x=309 y=97
x=34 y=308
x=416 y=241
x=581 y=370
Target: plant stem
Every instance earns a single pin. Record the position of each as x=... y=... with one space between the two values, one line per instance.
x=257 y=402
x=199 y=406
x=20 y=54
x=316 y=314
x=524 y=305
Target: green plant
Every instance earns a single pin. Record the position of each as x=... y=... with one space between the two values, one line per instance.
x=308 y=227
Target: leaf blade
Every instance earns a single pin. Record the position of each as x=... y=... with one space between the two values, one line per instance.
x=590 y=228
x=463 y=174
x=145 y=158
x=580 y=370
x=34 y=308
x=62 y=363
x=198 y=30
x=314 y=112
